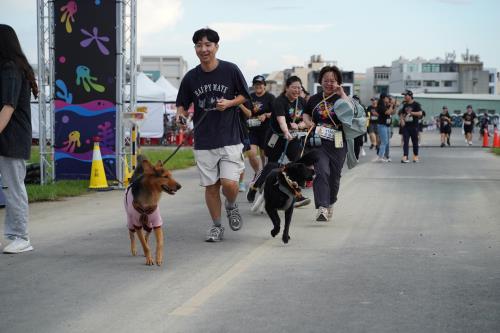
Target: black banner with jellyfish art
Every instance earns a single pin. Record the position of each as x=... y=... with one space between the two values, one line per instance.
x=85 y=86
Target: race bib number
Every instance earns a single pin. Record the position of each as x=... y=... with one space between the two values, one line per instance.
x=298 y=134
x=408 y=118
x=326 y=133
x=445 y=123
x=254 y=122
x=373 y=118
x=467 y=122
x=388 y=121
x=339 y=140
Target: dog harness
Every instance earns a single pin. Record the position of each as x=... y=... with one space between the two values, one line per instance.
x=293 y=186
x=138 y=216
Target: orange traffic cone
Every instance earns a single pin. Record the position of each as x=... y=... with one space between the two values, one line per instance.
x=486 y=139
x=496 y=139
x=97 y=175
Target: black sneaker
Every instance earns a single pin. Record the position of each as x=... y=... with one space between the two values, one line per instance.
x=251 y=194
x=448 y=141
x=442 y=144
x=302 y=201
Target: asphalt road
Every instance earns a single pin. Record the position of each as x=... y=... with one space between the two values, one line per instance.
x=412 y=248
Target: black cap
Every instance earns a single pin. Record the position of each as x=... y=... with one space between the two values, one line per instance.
x=469 y=106
x=373 y=99
x=408 y=92
x=445 y=107
x=259 y=79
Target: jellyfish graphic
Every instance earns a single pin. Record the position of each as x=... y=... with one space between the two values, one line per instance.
x=83 y=77
x=69 y=11
x=72 y=142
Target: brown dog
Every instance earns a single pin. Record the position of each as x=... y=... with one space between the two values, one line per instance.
x=141 y=205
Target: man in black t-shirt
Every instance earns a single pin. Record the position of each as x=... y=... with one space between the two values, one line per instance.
x=469 y=118
x=409 y=114
x=216 y=88
x=445 y=126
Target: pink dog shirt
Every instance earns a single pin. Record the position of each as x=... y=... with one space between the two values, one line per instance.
x=133 y=216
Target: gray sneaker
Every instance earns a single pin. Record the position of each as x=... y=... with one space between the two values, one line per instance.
x=234 y=217
x=215 y=234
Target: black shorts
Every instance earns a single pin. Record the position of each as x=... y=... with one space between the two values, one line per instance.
x=468 y=128
x=258 y=138
x=445 y=129
x=373 y=128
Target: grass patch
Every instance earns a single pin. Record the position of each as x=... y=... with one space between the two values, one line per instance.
x=56 y=190
x=184 y=158
x=496 y=151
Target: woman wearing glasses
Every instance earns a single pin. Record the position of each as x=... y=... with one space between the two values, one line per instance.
x=333 y=148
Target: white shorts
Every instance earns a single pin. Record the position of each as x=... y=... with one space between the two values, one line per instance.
x=226 y=162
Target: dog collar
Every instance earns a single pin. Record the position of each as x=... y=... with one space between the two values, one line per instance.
x=291 y=184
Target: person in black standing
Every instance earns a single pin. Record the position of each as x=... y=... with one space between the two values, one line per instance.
x=469 y=117
x=17 y=80
x=445 y=126
x=409 y=115
x=385 y=110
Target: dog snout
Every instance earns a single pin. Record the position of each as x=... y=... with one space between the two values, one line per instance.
x=177 y=186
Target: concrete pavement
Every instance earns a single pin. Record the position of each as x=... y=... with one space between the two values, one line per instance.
x=412 y=248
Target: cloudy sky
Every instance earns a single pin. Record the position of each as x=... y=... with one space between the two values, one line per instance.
x=261 y=36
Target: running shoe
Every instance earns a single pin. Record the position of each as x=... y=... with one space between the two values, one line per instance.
x=301 y=201
x=242 y=187
x=251 y=194
x=234 y=218
x=215 y=234
x=322 y=215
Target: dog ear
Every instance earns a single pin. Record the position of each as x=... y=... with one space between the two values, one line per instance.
x=147 y=166
x=159 y=165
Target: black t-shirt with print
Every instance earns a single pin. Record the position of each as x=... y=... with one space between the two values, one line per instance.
x=15 y=139
x=217 y=129
x=444 y=120
x=292 y=111
x=261 y=104
x=383 y=119
x=373 y=118
x=404 y=112
x=469 y=118
x=321 y=110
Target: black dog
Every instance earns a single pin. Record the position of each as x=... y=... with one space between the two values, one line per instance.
x=283 y=186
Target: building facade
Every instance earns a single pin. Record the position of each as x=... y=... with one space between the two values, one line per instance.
x=173 y=68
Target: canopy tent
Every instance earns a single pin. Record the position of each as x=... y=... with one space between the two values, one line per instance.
x=169 y=89
x=149 y=91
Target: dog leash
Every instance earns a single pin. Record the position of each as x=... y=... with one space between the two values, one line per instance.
x=202 y=117
x=283 y=154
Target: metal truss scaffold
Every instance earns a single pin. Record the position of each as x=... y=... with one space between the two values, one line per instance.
x=45 y=24
x=126 y=76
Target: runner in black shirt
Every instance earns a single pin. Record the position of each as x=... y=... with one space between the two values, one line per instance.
x=216 y=88
x=469 y=118
x=409 y=115
x=445 y=126
x=262 y=107
x=320 y=110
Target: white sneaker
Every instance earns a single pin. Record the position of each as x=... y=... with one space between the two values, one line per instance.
x=242 y=187
x=377 y=160
x=330 y=212
x=18 y=245
x=363 y=152
x=470 y=143
x=322 y=214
